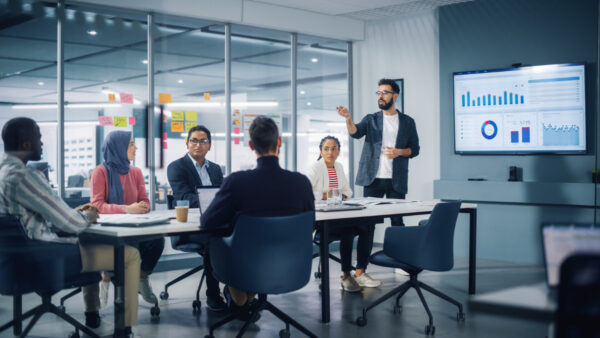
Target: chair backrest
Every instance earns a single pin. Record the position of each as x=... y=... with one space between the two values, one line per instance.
x=578 y=311
x=433 y=247
x=266 y=255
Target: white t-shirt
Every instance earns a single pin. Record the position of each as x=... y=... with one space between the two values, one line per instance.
x=390 y=132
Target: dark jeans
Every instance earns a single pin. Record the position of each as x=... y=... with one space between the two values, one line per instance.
x=365 y=232
x=150 y=252
x=381 y=187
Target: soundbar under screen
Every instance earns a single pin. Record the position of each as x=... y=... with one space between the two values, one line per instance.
x=537 y=109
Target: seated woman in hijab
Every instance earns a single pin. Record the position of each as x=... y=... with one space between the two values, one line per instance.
x=118 y=188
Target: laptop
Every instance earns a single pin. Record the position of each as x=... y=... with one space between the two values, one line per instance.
x=206 y=194
x=339 y=207
x=563 y=240
x=132 y=221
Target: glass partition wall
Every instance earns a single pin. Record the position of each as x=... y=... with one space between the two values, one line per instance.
x=107 y=87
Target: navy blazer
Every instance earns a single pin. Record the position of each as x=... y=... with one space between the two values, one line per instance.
x=372 y=126
x=184 y=179
x=267 y=190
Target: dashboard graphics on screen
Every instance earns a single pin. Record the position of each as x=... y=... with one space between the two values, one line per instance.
x=536 y=109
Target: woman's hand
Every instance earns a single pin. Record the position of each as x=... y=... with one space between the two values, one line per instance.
x=137 y=208
x=324 y=196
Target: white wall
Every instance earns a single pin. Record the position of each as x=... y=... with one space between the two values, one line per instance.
x=404 y=48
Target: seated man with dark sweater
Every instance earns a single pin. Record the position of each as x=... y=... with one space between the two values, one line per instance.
x=187 y=173
x=267 y=190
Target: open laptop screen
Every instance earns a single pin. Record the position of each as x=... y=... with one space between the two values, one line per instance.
x=561 y=241
x=205 y=196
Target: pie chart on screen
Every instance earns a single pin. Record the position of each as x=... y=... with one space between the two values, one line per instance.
x=489 y=129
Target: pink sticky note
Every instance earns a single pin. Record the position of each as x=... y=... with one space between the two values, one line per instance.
x=165 y=144
x=126 y=98
x=165 y=137
x=236 y=130
x=236 y=140
x=105 y=120
x=132 y=120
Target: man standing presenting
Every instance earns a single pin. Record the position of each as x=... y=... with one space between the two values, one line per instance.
x=185 y=174
x=390 y=140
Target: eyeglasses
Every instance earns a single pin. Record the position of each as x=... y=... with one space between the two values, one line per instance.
x=196 y=141
x=384 y=92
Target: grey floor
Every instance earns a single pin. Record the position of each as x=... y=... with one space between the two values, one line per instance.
x=177 y=319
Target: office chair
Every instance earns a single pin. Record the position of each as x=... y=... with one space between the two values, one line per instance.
x=265 y=255
x=413 y=249
x=578 y=311
x=42 y=267
x=183 y=243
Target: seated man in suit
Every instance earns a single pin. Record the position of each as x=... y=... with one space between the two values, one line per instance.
x=187 y=173
x=267 y=190
x=26 y=194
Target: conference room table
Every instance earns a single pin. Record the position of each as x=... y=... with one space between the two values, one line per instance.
x=120 y=236
x=388 y=207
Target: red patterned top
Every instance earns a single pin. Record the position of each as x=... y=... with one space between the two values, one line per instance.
x=333 y=181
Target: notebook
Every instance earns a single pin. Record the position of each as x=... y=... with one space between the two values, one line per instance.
x=561 y=241
x=206 y=194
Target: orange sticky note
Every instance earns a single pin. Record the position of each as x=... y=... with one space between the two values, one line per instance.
x=164 y=98
x=206 y=96
x=177 y=127
x=112 y=98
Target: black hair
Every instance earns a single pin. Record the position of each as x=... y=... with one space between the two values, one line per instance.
x=391 y=83
x=199 y=128
x=328 y=137
x=264 y=134
x=16 y=132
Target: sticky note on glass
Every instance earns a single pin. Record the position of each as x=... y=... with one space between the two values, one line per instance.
x=191 y=116
x=112 y=98
x=177 y=115
x=126 y=98
x=237 y=121
x=164 y=98
x=120 y=121
x=165 y=136
x=190 y=125
x=132 y=120
x=236 y=130
x=236 y=140
x=177 y=127
x=206 y=96
x=105 y=120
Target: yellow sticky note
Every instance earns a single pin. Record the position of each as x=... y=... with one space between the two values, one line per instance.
x=191 y=116
x=206 y=96
x=112 y=98
x=237 y=121
x=190 y=125
x=164 y=98
x=177 y=127
x=120 y=121
x=177 y=115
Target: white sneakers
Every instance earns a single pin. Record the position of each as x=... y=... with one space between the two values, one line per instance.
x=146 y=291
x=366 y=281
x=104 y=286
x=349 y=284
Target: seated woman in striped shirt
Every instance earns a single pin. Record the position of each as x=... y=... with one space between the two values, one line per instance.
x=324 y=175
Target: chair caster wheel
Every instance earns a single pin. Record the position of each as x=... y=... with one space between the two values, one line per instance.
x=164 y=295
x=317 y=275
x=62 y=308
x=361 y=321
x=430 y=330
x=74 y=335
x=284 y=333
x=460 y=317
x=196 y=306
x=397 y=309
x=154 y=311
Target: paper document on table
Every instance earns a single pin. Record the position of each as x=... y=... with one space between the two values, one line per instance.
x=376 y=201
x=129 y=220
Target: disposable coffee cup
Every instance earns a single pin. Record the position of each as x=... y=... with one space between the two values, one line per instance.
x=181 y=210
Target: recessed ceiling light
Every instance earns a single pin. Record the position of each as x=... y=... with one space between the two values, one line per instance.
x=314 y=60
x=302 y=92
x=92 y=32
x=308 y=103
x=145 y=62
x=179 y=81
x=40 y=83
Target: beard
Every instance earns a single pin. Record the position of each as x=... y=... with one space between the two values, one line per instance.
x=387 y=105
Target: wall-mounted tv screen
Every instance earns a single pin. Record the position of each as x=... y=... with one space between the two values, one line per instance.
x=526 y=110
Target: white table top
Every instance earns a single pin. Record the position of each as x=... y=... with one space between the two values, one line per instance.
x=193 y=223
